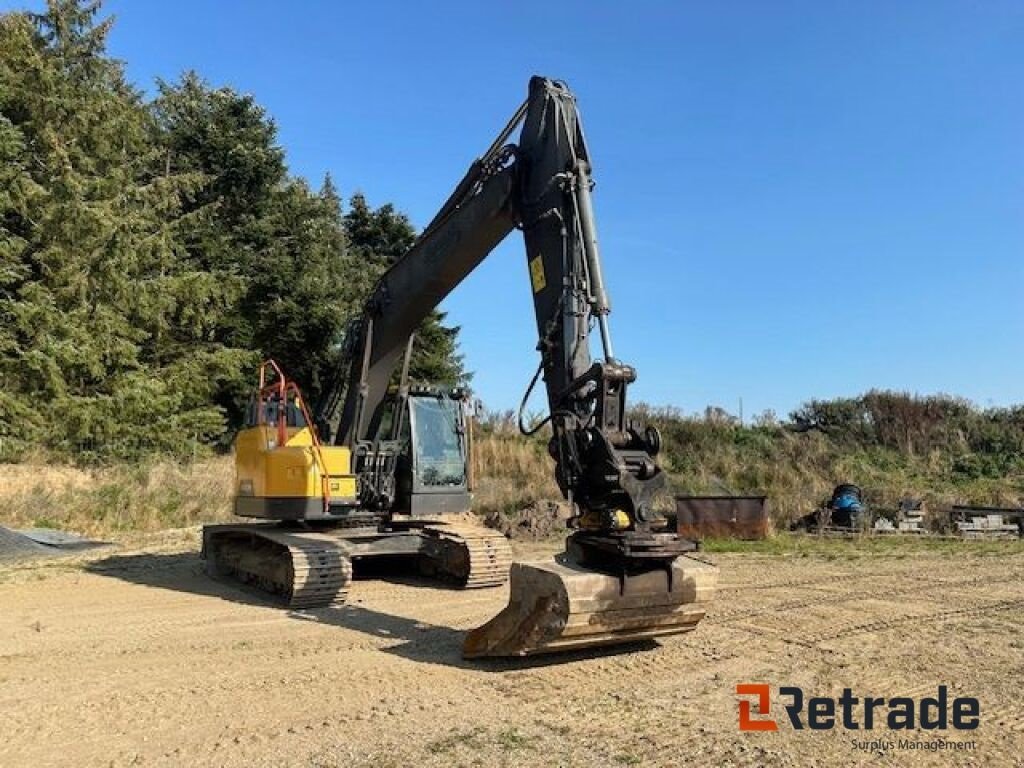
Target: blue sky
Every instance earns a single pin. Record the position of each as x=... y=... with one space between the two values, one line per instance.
x=794 y=199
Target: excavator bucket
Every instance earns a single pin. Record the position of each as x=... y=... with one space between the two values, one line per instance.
x=559 y=605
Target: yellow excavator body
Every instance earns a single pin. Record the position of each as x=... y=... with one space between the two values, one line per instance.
x=313 y=521
x=268 y=474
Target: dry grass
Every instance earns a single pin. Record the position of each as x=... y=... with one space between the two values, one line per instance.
x=511 y=473
x=108 y=501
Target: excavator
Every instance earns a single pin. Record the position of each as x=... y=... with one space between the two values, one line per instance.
x=393 y=479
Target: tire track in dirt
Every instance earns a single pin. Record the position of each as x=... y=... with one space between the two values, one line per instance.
x=832 y=598
x=233 y=682
x=830 y=578
x=1009 y=716
x=843 y=631
x=646 y=663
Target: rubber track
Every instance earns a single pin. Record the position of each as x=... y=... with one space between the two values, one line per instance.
x=490 y=555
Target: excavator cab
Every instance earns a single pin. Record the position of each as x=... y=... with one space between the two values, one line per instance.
x=437 y=482
x=417 y=464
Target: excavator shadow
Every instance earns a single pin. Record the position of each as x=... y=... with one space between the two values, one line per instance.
x=178 y=572
x=186 y=572
x=434 y=644
x=414 y=639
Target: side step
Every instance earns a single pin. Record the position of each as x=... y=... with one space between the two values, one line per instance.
x=559 y=606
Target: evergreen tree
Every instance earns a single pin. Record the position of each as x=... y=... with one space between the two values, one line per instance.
x=377 y=239
x=301 y=289
x=435 y=353
x=151 y=254
x=279 y=246
x=231 y=144
x=92 y=286
x=229 y=138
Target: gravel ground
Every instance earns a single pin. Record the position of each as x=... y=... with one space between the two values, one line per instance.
x=136 y=658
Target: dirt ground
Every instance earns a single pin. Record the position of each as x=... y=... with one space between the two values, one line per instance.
x=138 y=659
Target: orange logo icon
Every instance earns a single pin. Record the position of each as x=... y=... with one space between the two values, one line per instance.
x=763 y=693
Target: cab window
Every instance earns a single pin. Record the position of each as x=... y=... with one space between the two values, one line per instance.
x=437 y=442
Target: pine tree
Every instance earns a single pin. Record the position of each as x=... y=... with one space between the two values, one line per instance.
x=436 y=358
x=280 y=246
x=151 y=254
x=229 y=139
x=92 y=288
x=376 y=240
x=300 y=292
x=230 y=143
x=21 y=424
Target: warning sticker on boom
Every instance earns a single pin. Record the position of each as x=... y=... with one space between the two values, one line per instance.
x=537 y=274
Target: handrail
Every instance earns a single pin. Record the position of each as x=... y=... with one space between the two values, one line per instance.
x=282 y=387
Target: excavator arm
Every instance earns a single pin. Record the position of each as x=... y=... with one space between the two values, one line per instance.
x=603 y=464
x=542 y=186
x=438 y=261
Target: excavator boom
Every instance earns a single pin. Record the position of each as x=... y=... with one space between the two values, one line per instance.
x=621 y=577
x=542 y=186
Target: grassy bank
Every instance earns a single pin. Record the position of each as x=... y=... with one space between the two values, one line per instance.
x=111 y=500
x=511 y=473
x=937 y=449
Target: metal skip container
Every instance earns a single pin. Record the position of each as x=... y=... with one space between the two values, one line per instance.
x=736 y=517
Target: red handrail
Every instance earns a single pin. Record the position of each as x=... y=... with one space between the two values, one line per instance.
x=282 y=387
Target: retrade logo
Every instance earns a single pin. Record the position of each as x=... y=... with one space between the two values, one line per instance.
x=854 y=713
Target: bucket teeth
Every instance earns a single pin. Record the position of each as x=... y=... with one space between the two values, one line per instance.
x=559 y=606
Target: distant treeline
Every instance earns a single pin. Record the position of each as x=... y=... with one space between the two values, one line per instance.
x=938 y=448
x=152 y=251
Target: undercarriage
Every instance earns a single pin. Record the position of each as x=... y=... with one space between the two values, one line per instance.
x=311 y=567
